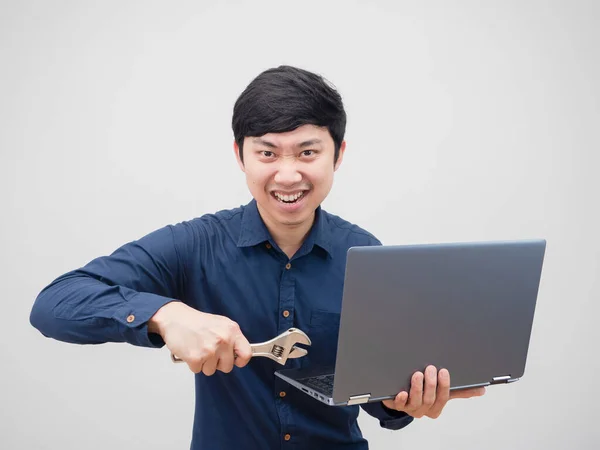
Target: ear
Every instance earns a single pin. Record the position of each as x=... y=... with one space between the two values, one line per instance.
x=236 y=150
x=340 y=156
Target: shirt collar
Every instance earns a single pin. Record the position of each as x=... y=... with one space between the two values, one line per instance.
x=254 y=231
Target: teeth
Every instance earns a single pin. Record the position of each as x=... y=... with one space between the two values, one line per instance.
x=288 y=198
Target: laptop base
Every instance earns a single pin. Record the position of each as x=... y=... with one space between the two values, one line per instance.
x=310 y=382
x=318 y=383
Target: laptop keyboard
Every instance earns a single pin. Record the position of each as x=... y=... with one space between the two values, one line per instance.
x=323 y=383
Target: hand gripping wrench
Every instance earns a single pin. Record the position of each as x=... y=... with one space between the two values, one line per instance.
x=279 y=349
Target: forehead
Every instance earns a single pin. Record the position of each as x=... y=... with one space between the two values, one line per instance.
x=304 y=136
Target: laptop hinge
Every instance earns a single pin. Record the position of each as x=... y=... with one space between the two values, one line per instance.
x=503 y=379
x=358 y=399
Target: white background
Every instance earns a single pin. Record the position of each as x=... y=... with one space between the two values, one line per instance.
x=467 y=121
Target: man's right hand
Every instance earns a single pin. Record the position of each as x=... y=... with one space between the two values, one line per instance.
x=206 y=342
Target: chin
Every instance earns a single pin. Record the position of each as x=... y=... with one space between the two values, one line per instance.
x=293 y=223
x=292 y=219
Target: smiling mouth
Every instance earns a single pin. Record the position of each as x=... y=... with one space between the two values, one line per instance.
x=289 y=198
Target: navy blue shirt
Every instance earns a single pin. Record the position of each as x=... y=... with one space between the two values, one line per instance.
x=227 y=263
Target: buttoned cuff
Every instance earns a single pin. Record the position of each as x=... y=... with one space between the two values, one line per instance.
x=388 y=418
x=133 y=317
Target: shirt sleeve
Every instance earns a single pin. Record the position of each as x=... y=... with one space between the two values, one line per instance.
x=112 y=298
x=388 y=418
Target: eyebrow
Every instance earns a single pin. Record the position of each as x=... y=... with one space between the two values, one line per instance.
x=309 y=143
x=263 y=142
x=271 y=145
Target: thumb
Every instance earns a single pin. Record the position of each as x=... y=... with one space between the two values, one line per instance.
x=243 y=351
x=467 y=393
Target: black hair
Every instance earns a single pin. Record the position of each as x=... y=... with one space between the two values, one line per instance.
x=284 y=98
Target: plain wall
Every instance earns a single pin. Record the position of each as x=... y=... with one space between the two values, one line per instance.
x=467 y=121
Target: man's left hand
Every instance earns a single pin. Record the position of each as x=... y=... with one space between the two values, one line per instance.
x=429 y=394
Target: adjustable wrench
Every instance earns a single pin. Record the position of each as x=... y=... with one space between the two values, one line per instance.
x=279 y=349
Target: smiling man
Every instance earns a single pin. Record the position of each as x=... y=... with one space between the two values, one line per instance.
x=207 y=287
x=289 y=174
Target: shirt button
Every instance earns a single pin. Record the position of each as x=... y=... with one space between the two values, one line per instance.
x=288 y=266
x=282 y=394
x=268 y=245
x=130 y=318
x=287 y=437
x=286 y=313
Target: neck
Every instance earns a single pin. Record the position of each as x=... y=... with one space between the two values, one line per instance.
x=290 y=237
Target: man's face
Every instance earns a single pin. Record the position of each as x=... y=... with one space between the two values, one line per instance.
x=290 y=174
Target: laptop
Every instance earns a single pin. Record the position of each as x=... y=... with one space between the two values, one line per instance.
x=467 y=307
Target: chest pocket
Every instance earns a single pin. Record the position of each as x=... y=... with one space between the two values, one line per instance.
x=323 y=332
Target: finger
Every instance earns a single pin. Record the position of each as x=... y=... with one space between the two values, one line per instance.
x=195 y=366
x=400 y=401
x=442 y=394
x=195 y=361
x=243 y=351
x=467 y=393
x=429 y=392
x=226 y=360
x=415 y=398
x=210 y=366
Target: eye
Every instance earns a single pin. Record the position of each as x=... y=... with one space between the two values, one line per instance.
x=308 y=152
x=267 y=153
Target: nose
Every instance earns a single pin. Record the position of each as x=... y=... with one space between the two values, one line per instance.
x=287 y=174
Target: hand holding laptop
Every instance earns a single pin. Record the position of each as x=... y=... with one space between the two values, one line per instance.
x=429 y=394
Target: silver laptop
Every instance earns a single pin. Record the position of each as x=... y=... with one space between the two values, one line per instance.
x=466 y=307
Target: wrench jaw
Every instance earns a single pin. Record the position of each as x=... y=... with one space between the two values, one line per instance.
x=294 y=352
x=298 y=337
x=281 y=358
x=282 y=347
x=292 y=337
x=280 y=354
x=297 y=352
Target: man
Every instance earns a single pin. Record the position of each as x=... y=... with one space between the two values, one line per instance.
x=207 y=287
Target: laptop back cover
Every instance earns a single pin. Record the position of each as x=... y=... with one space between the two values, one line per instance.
x=467 y=307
